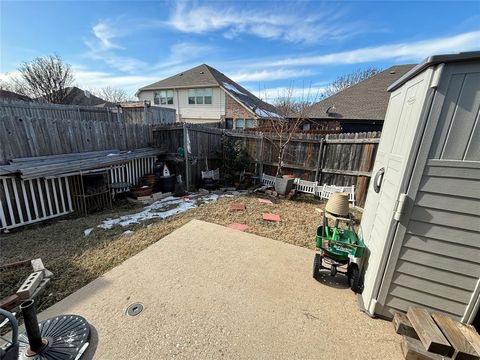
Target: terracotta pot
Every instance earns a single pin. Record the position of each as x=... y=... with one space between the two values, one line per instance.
x=141 y=191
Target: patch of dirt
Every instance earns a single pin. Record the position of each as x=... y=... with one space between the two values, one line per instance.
x=76 y=259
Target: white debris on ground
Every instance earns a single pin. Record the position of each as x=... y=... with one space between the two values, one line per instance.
x=128 y=233
x=87 y=232
x=161 y=209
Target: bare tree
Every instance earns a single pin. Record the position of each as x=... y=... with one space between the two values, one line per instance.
x=292 y=113
x=110 y=94
x=344 y=81
x=45 y=79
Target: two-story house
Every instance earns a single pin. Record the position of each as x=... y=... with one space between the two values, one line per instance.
x=203 y=94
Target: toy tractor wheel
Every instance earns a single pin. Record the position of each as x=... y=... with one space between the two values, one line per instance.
x=333 y=270
x=353 y=274
x=317 y=264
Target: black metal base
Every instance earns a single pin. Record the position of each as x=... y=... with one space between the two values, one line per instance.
x=65 y=335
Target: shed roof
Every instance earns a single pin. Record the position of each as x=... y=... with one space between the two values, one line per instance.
x=434 y=60
x=205 y=76
x=367 y=100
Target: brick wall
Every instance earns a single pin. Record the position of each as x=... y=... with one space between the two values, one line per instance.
x=234 y=110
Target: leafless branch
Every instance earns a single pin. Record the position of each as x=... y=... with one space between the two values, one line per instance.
x=45 y=79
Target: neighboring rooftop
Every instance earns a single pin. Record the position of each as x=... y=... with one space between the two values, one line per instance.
x=205 y=76
x=10 y=95
x=367 y=100
x=77 y=96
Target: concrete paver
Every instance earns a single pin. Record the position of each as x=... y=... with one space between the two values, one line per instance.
x=211 y=292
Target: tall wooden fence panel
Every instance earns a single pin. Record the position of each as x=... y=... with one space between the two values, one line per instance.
x=26 y=137
x=132 y=115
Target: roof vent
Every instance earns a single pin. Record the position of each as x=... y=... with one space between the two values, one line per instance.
x=202 y=72
x=393 y=72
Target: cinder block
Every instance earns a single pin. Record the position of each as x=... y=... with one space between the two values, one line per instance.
x=37 y=265
x=30 y=285
x=159 y=195
x=41 y=287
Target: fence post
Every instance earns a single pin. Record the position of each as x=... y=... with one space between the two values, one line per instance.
x=319 y=159
x=261 y=156
x=185 y=150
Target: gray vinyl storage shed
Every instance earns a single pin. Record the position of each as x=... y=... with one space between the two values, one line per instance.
x=421 y=222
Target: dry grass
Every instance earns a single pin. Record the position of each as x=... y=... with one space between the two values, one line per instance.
x=76 y=259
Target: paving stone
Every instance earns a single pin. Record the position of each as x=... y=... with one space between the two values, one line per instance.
x=237 y=206
x=265 y=201
x=271 y=217
x=237 y=226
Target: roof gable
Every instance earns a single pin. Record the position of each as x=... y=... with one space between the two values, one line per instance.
x=203 y=76
x=366 y=100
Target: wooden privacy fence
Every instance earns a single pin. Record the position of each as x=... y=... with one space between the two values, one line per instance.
x=202 y=152
x=132 y=115
x=336 y=159
x=27 y=137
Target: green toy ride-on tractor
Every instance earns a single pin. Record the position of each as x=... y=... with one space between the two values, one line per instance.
x=338 y=247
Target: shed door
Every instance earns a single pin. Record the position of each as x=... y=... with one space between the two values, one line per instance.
x=435 y=257
x=398 y=134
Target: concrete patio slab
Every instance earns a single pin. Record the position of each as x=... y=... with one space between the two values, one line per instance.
x=210 y=292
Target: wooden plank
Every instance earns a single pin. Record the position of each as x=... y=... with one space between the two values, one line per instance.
x=428 y=332
x=403 y=326
x=471 y=335
x=462 y=349
x=413 y=349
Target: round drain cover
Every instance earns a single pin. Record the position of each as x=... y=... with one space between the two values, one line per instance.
x=134 y=309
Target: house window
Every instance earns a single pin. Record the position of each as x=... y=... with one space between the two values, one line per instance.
x=239 y=123
x=249 y=123
x=228 y=123
x=200 y=96
x=306 y=127
x=164 y=97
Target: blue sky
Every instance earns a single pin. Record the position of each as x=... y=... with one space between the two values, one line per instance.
x=265 y=46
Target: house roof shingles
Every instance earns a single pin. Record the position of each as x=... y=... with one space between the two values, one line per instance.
x=204 y=76
x=366 y=100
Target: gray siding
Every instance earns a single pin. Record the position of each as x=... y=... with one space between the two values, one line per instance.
x=439 y=262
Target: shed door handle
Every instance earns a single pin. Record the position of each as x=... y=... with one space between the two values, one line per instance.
x=377 y=181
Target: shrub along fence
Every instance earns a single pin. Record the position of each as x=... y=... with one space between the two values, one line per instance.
x=335 y=159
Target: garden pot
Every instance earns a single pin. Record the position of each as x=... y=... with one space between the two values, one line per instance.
x=283 y=186
x=167 y=183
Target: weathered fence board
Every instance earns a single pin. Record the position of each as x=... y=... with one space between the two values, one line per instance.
x=131 y=115
x=26 y=137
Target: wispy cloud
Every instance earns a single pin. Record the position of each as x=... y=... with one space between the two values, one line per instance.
x=272 y=24
x=413 y=51
x=105 y=33
x=102 y=47
x=269 y=75
x=295 y=91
